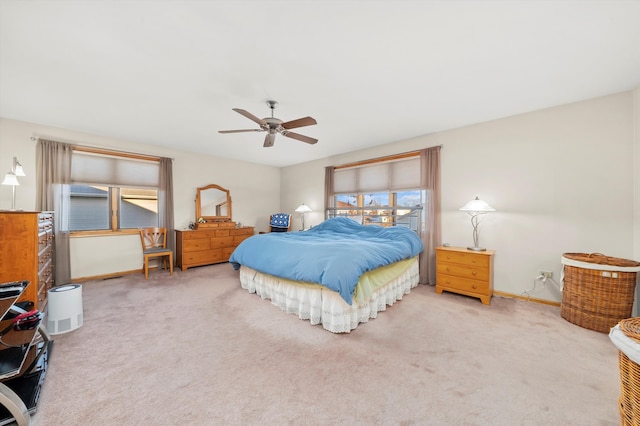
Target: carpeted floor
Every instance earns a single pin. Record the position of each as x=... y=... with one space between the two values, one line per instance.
x=196 y=349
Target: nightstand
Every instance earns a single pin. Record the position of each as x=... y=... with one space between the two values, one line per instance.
x=463 y=271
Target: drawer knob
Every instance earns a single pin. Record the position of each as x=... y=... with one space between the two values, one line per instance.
x=474 y=273
x=448 y=269
x=447 y=281
x=474 y=286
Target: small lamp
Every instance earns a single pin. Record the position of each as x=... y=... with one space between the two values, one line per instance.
x=475 y=208
x=17 y=167
x=303 y=209
x=11 y=179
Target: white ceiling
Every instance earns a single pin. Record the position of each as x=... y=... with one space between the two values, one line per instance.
x=370 y=72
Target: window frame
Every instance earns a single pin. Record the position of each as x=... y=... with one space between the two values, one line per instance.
x=331 y=210
x=113 y=195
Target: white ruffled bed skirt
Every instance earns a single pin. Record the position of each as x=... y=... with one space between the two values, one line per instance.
x=320 y=305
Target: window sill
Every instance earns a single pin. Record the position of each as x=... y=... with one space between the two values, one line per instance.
x=104 y=233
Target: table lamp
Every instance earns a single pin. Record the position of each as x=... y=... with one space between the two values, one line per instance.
x=475 y=208
x=302 y=208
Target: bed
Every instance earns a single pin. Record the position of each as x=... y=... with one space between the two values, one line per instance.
x=337 y=274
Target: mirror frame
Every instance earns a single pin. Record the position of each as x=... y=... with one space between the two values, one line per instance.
x=226 y=218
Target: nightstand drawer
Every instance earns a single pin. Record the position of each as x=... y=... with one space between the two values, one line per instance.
x=464 y=271
x=465 y=284
x=465 y=258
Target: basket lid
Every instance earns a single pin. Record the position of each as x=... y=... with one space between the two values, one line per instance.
x=631 y=328
x=601 y=259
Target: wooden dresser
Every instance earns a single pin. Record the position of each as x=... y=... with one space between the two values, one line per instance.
x=464 y=271
x=206 y=246
x=27 y=253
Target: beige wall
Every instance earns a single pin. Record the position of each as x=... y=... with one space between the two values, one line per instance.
x=255 y=191
x=561 y=180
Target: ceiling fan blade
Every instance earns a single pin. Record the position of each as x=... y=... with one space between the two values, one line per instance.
x=250 y=116
x=269 y=140
x=238 y=131
x=300 y=137
x=300 y=122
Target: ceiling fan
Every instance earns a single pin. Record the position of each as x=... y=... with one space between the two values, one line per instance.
x=273 y=126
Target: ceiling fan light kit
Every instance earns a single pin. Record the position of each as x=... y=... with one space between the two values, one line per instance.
x=273 y=126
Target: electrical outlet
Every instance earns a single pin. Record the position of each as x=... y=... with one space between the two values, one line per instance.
x=546 y=274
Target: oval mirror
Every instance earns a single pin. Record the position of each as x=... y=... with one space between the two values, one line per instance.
x=213 y=204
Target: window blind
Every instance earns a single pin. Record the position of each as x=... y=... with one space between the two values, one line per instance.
x=98 y=169
x=393 y=175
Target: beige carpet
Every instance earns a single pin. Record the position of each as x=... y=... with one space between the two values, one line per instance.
x=196 y=349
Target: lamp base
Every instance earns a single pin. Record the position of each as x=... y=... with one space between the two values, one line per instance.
x=476 y=249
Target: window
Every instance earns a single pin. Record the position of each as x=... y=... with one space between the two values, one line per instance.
x=383 y=208
x=112 y=193
x=90 y=206
x=385 y=192
x=138 y=207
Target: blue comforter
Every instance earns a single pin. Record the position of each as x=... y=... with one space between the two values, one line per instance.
x=335 y=253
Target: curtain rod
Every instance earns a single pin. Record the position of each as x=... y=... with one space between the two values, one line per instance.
x=107 y=151
x=399 y=156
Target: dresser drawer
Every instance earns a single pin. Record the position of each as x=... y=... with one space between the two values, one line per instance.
x=465 y=284
x=44 y=284
x=197 y=235
x=240 y=238
x=46 y=270
x=226 y=252
x=242 y=231
x=221 y=242
x=464 y=271
x=45 y=256
x=46 y=222
x=464 y=258
x=199 y=244
x=45 y=238
x=202 y=257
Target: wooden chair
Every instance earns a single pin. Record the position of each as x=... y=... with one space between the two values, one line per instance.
x=280 y=222
x=154 y=244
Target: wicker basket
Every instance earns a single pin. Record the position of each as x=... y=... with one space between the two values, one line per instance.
x=598 y=290
x=629 y=402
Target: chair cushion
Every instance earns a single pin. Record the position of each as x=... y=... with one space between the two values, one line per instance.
x=280 y=220
x=157 y=250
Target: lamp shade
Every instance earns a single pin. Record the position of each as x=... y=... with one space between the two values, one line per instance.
x=19 y=170
x=477 y=205
x=303 y=209
x=10 y=179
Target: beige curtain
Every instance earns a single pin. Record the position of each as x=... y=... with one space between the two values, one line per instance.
x=431 y=225
x=165 y=201
x=328 y=190
x=53 y=177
